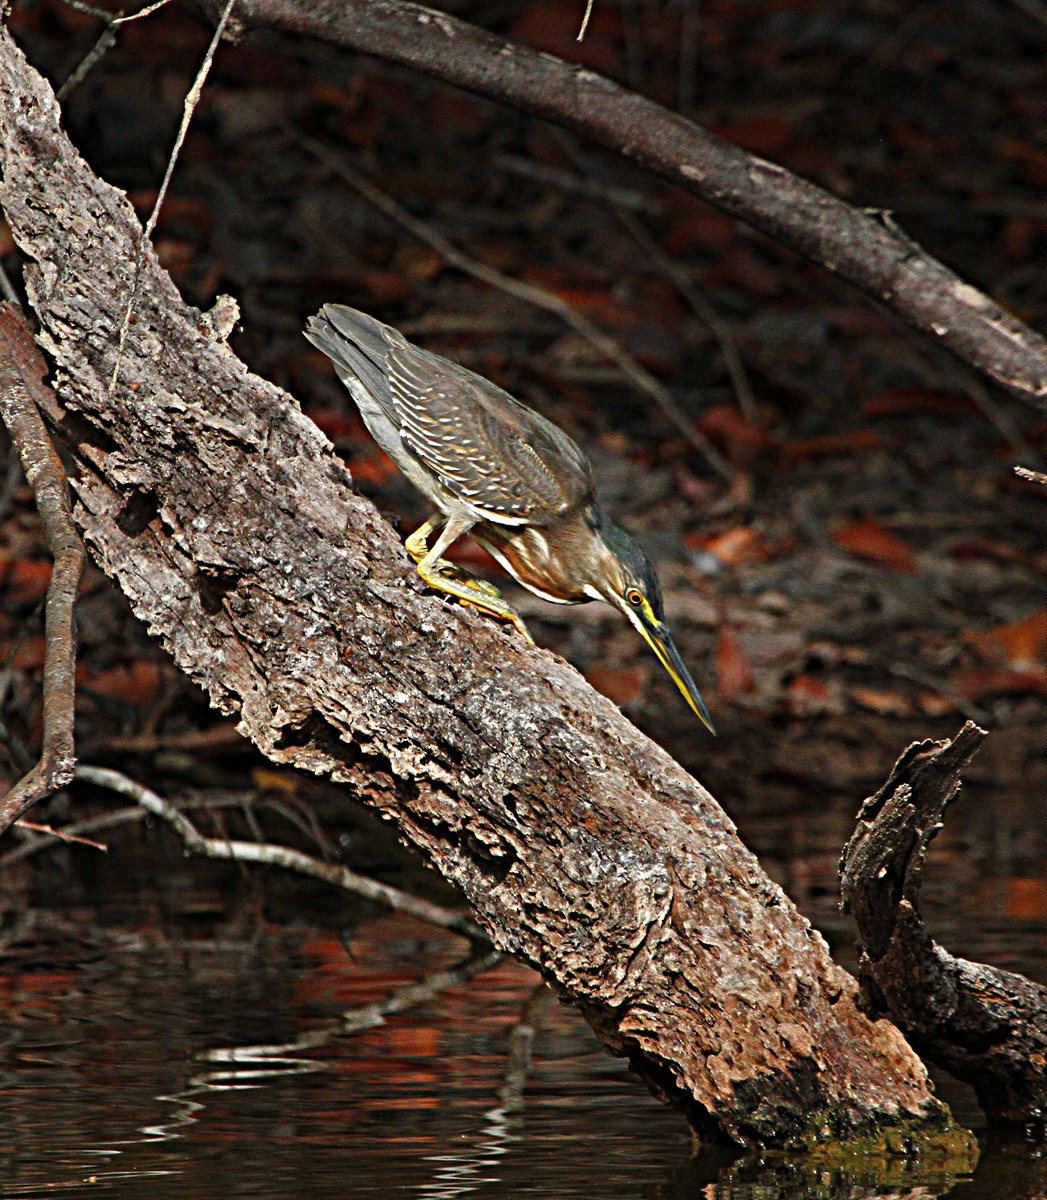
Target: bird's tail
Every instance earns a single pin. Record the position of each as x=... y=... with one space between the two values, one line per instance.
x=358 y=346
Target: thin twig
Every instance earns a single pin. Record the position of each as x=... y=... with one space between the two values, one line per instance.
x=642 y=379
x=91 y=10
x=70 y=833
x=104 y=43
x=192 y=99
x=619 y=194
x=702 y=309
x=142 y=12
x=62 y=835
x=22 y=371
x=925 y=679
x=585 y=19
x=1003 y=421
x=280 y=856
x=686 y=82
x=1032 y=476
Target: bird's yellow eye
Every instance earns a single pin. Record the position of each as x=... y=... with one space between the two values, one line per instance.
x=634 y=597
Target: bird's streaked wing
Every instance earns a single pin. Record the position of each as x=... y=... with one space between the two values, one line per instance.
x=487 y=448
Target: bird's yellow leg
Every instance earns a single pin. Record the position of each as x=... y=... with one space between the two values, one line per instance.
x=431 y=570
x=417 y=546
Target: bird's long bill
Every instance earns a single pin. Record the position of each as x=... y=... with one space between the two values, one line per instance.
x=660 y=640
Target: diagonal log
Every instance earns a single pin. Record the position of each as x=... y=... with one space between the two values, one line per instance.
x=582 y=847
x=866 y=248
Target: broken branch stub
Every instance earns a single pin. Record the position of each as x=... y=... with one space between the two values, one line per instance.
x=986 y=1026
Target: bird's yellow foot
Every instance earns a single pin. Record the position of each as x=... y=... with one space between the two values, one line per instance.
x=475 y=593
x=444 y=576
x=504 y=612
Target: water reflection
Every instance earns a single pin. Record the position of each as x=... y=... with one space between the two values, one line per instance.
x=207 y=1069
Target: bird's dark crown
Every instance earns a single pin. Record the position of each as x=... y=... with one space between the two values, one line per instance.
x=634 y=564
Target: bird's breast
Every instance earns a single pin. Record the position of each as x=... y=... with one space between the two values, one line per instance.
x=537 y=558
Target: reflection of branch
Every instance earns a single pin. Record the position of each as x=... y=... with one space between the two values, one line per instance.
x=280 y=856
x=865 y=248
x=521 y=1039
x=22 y=387
x=637 y=375
x=986 y=1026
x=367 y=1016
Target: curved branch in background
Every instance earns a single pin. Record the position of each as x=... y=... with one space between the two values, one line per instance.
x=22 y=390
x=982 y=1024
x=867 y=249
x=582 y=847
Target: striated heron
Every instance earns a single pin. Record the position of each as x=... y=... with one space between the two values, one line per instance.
x=497 y=470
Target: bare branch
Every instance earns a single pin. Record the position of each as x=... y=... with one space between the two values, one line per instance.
x=22 y=387
x=279 y=856
x=866 y=248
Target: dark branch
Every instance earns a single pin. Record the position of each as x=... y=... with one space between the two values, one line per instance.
x=868 y=249
x=22 y=389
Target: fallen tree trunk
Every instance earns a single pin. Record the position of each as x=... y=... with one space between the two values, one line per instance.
x=223 y=515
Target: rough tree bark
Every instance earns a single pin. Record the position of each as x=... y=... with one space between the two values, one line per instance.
x=225 y=518
x=867 y=249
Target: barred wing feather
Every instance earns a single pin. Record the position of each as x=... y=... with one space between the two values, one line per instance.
x=487 y=448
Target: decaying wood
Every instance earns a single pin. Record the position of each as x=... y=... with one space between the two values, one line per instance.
x=22 y=389
x=581 y=846
x=868 y=249
x=983 y=1025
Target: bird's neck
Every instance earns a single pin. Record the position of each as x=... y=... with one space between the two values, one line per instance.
x=554 y=561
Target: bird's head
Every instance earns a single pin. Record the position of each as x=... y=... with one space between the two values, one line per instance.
x=626 y=579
